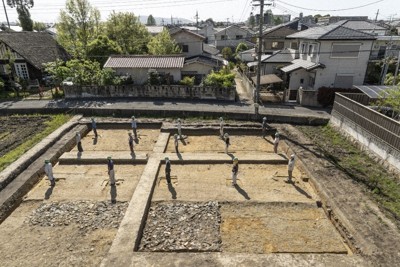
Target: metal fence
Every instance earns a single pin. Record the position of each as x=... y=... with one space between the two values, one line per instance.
x=380 y=126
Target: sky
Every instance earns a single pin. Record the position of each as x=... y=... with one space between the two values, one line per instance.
x=219 y=10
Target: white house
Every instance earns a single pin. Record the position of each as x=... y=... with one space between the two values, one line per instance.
x=330 y=56
x=191 y=43
x=231 y=36
x=364 y=26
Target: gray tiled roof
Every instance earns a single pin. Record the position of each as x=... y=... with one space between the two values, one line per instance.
x=210 y=49
x=36 y=48
x=279 y=57
x=359 y=25
x=145 y=62
x=204 y=60
x=301 y=64
x=332 y=32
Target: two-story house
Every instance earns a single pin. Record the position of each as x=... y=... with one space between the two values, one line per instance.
x=330 y=56
x=190 y=43
x=29 y=51
x=274 y=39
x=233 y=35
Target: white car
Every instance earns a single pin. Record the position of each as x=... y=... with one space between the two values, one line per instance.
x=67 y=82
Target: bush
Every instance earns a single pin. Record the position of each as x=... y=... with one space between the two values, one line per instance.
x=326 y=95
x=224 y=78
x=189 y=81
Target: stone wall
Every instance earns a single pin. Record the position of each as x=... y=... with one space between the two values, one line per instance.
x=150 y=91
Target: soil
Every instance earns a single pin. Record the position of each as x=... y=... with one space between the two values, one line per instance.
x=15 y=130
x=371 y=233
x=213 y=143
x=24 y=244
x=278 y=228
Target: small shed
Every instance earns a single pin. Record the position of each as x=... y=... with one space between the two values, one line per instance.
x=370 y=93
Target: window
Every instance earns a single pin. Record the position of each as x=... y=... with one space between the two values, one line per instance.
x=311 y=81
x=278 y=45
x=303 y=48
x=21 y=70
x=345 y=50
x=238 y=37
x=223 y=37
x=294 y=45
x=185 y=48
x=311 y=50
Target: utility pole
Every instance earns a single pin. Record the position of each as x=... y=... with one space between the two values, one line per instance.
x=197 y=21
x=5 y=11
x=397 y=69
x=386 y=60
x=259 y=54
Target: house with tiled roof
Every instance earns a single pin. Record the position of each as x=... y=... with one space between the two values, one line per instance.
x=190 y=43
x=231 y=36
x=30 y=50
x=329 y=56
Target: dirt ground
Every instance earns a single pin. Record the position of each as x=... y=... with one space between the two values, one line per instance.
x=278 y=228
x=25 y=245
x=88 y=182
x=372 y=233
x=239 y=143
x=117 y=140
x=256 y=182
x=14 y=130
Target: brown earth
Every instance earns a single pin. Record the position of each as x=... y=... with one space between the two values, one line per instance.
x=371 y=233
x=14 y=130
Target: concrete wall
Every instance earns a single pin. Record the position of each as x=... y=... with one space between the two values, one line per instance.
x=308 y=98
x=367 y=140
x=150 y=91
x=140 y=76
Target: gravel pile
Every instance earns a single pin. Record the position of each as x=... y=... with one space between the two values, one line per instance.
x=182 y=227
x=88 y=215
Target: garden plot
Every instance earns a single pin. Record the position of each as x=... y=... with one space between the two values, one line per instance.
x=213 y=143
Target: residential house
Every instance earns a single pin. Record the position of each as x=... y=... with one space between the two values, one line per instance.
x=331 y=56
x=231 y=36
x=271 y=64
x=139 y=66
x=154 y=30
x=274 y=39
x=30 y=50
x=190 y=43
x=326 y=20
x=364 y=26
x=172 y=67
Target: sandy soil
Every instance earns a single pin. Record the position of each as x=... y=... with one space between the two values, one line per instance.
x=25 y=245
x=88 y=182
x=278 y=228
x=117 y=140
x=239 y=143
x=204 y=182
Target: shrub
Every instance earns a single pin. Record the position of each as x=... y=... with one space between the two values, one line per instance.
x=224 y=78
x=189 y=81
x=326 y=95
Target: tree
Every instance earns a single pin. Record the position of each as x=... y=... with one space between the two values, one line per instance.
x=391 y=98
x=222 y=79
x=24 y=16
x=241 y=47
x=101 y=48
x=127 y=31
x=163 y=44
x=151 y=21
x=39 y=26
x=277 y=21
x=251 y=21
x=227 y=53
x=210 y=21
x=77 y=26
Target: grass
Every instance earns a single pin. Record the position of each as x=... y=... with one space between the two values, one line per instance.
x=51 y=125
x=383 y=185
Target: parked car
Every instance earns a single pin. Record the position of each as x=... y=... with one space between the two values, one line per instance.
x=67 y=82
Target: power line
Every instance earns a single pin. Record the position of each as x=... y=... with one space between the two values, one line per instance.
x=330 y=10
x=246 y=6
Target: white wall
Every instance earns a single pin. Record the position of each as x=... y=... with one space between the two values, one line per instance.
x=231 y=37
x=195 y=44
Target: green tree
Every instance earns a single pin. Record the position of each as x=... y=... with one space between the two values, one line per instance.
x=163 y=44
x=277 y=21
x=241 y=47
x=39 y=26
x=58 y=70
x=77 y=27
x=101 y=48
x=223 y=78
x=24 y=18
x=391 y=98
x=151 y=21
x=227 y=53
x=127 y=31
x=251 y=22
